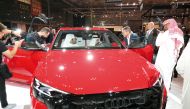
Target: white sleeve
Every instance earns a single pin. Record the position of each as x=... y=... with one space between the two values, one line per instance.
x=180 y=64
x=183 y=60
x=180 y=40
x=160 y=39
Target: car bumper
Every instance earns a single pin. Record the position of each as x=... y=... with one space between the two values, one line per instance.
x=36 y=104
x=151 y=98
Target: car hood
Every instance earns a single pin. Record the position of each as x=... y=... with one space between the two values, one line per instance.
x=96 y=71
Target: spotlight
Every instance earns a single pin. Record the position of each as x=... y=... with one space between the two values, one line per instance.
x=87 y=28
x=18 y=30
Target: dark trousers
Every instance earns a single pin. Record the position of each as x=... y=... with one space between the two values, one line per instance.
x=3 y=95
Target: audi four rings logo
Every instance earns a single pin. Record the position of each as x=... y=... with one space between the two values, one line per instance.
x=122 y=102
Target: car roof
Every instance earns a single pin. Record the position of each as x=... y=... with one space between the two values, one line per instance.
x=82 y=28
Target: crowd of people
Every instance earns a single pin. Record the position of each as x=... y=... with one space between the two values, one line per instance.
x=44 y=36
x=167 y=45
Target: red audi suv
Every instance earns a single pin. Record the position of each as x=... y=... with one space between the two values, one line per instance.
x=89 y=68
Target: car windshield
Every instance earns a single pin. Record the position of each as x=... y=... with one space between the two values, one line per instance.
x=82 y=39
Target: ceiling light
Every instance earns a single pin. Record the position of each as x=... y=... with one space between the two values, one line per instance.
x=87 y=28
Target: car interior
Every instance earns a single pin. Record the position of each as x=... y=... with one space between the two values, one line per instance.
x=82 y=40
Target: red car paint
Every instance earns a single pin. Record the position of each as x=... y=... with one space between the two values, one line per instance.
x=23 y=64
x=81 y=75
x=146 y=52
x=109 y=70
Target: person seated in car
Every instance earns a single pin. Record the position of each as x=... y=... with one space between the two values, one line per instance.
x=38 y=37
x=129 y=37
x=70 y=41
x=95 y=41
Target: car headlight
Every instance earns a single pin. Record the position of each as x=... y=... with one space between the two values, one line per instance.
x=158 y=82
x=46 y=89
x=46 y=93
x=158 y=85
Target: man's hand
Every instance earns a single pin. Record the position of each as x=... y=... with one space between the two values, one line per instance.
x=8 y=31
x=18 y=43
x=16 y=33
x=43 y=45
x=11 y=53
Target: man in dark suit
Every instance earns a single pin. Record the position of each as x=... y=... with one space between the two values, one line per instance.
x=130 y=38
x=150 y=38
x=151 y=35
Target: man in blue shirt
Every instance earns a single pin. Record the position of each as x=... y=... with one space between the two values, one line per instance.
x=38 y=37
x=129 y=37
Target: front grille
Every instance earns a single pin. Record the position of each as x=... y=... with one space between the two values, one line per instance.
x=140 y=99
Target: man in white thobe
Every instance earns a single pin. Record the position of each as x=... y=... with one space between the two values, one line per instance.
x=183 y=68
x=169 y=43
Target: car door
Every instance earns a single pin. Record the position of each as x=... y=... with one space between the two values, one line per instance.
x=139 y=46
x=147 y=52
x=24 y=63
